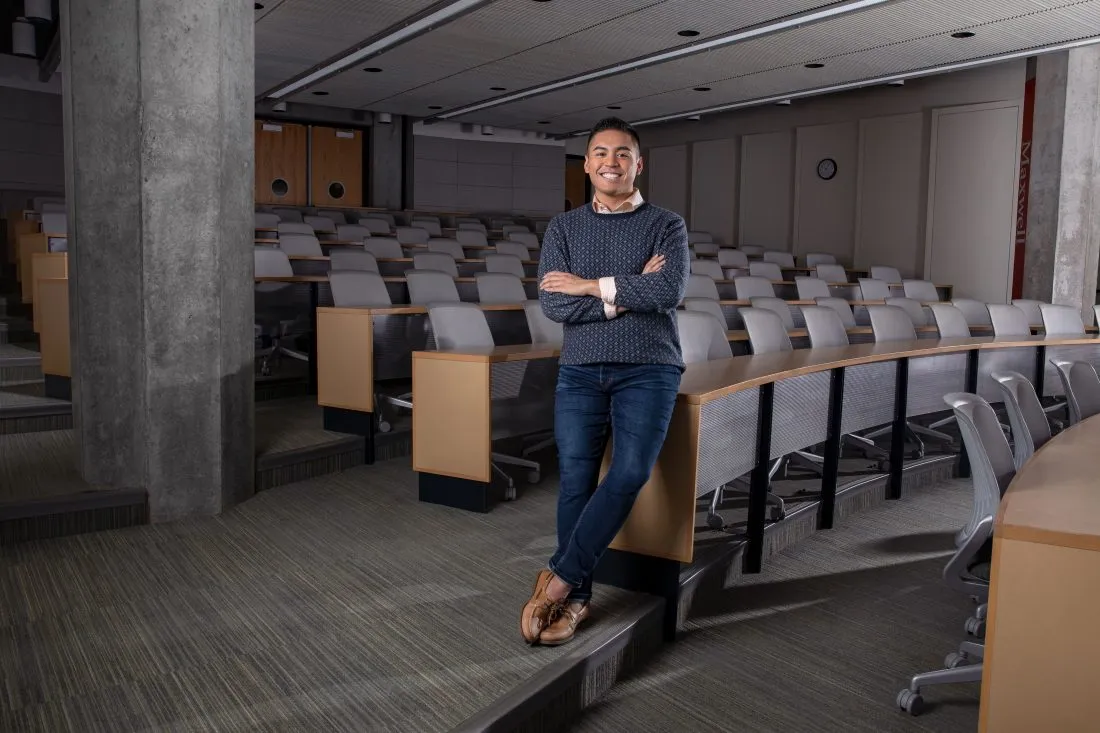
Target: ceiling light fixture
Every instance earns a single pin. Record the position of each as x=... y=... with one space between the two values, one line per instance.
x=320 y=94
x=694 y=118
x=23 y=38
x=688 y=34
x=257 y=6
x=815 y=65
x=792 y=21
x=889 y=79
x=543 y=122
x=434 y=106
x=373 y=70
x=497 y=89
x=702 y=89
x=613 y=106
x=396 y=36
x=783 y=103
x=963 y=34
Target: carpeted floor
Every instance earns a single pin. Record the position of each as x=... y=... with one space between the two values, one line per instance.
x=340 y=603
x=821 y=641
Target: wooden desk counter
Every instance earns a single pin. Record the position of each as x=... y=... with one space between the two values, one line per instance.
x=1042 y=658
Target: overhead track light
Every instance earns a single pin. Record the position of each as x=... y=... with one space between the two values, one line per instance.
x=764 y=29
x=22 y=38
x=417 y=26
x=894 y=79
x=38 y=11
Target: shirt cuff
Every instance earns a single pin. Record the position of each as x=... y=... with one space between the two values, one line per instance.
x=608 y=290
x=610 y=311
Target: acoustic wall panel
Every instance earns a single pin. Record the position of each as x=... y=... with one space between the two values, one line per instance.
x=336 y=167
x=714 y=176
x=281 y=164
x=825 y=189
x=667 y=171
x=766 y=186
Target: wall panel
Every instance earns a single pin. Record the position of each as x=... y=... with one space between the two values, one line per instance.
x=336 y=166
x=824 y=211
x=714 y=179
x=281 y=154
x=765 y=206
x=667 y=171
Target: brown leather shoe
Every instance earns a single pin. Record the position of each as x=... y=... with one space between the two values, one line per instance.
x=536 y=613
x=561 y=630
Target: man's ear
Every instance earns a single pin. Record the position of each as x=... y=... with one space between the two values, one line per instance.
x=641 y=165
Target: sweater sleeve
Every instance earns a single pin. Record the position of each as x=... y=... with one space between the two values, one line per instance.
x=562 y=307
x=658 y=291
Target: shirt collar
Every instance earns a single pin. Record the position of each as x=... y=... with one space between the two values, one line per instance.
x=625 y=207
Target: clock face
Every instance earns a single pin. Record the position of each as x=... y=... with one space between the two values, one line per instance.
x=826 y=169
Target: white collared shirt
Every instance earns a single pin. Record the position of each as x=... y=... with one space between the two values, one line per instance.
x=607 y=284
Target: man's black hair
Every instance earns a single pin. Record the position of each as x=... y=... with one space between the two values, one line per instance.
x=614 y=123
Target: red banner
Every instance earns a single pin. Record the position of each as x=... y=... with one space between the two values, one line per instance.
x=1021 y=197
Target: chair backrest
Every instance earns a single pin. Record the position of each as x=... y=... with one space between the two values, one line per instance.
x=266 y=220
x=753 y=287
x=912 y=308
x=811 y=287
x=431 y=286
x=1096 y=313
x=494 y=288
x=526 y=238
x=412 y=235
x=352 y=259
x=358 y=288
x=706 y=305
x=710 y=268
x=842 y=308
x=831 y=273
x=495 y=262
x=1030 y=428
x=975 y=312
x=778 y=306
x=890 y=323
x=55 y=223
x=288 y=215
x=337 y=217
x=543 y=330
x=733 y=258
x=449 y=247
x=702 y=338
x=767 y=334
x=767 y=270
x=472 y=226
x=1082 y=388
x=1030 y=309
x=1061 y=320
x=694 y=237
x=921 y=291
x=783 y=259
x=872 y=289
x=751 y=249
x=300 y=244
x=517 y=249
x=1008 y=320
x=705 y=248
x=991 y=463
x=460 y=326
x=320 y=223
x=813 y=259
x=352 y=232
x=885 y=274
x=271 y=262
x=950 y=321
x=471 y=238
x=375 y=225
x=702 y=286
x=508 y=229
x=436 y=261
x=384 y=248
x=431 y=226
x=824 y=326
x=295 y=227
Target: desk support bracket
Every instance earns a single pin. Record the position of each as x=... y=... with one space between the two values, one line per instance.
x=758 y=486
x=1040 y=369
x=833 y=445
x=897 y=432
x=972 y=388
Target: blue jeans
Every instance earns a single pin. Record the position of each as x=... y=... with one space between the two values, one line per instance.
x=635 y=402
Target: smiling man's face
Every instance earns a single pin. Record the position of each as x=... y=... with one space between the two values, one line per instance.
x=613 y=162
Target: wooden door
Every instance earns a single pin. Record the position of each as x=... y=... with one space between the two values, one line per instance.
x=336 y=165
x=576 y=183
x=280 y=164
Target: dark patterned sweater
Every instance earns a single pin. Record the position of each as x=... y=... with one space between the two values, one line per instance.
x=592 y=246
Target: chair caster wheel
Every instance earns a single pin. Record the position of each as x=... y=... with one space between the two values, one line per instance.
x=955 y=659
x=510 y=493
x=777 y=514
x=975 y=627
x=911 y=702
x=384 y=427
x=533 y=477
x=715 y=522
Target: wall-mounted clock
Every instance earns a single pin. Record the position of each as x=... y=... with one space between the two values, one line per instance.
x=826 y=169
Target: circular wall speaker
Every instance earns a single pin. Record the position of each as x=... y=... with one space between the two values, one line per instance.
x=336 y=190
x=279 y=187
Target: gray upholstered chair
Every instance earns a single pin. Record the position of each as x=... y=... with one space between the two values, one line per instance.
x=702 y=337
x=783 y=259
x=450 y=247
x=975 y=312
x=705 y=248
x=275 y=325
x=412 y=235
x=810 y=288
x=733 y=259
x=264 y=220
x=526 y=238
x=336 y=217
x=824 y=326
x=872 y=289
x=295 y=227
x=472 y=226
x=706 y=305
x=992 y=469
x=912 y=308
x=950 y=321
x=1061 y=320
x=767 y=270
x=320 y=224
x=358 y=289
x=1082 y=388
x=842 y=307
x=710 y=268
x=694 y=237
x=516 y=249
x=431 y=226
x=384 y=248
x=352 y=259
x=435 y=261
x=542 y=329
x=471 y=237
x=702 y=286
x=753 y=287
x=752 y=250
x=889 y=275
x=921 y=291
x=813 y=259
x=1008 y=320
x=1030 y=309
x=375 y=225
x=427 y=287
x=352 y=232
x=778 y=306
x=1030 y=427
x=305 y=245
x=499 y=288
x=831 y=273
x=495 y=262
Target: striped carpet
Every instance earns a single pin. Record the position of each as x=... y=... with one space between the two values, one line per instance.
x=340 y=603
x=821 y=641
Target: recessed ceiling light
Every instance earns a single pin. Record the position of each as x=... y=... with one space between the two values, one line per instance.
x=435 y=106
x=815 y=65
x=257 y=6
x=702 y=89
x=694 y=118
x=613 y=106
x=497 y=89
x=320 y=94
x=372 y=70
x=543 y=122
x=963 y=34
x=688 y=34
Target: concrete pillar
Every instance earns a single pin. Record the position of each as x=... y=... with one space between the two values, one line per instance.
x=1062 y=252
x=158 y=105
x=387 y=161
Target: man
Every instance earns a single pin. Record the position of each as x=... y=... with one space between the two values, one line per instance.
x=612 y=271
